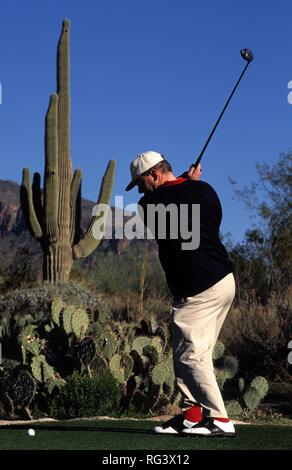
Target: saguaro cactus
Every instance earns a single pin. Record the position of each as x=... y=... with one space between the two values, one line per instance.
x=53 y=215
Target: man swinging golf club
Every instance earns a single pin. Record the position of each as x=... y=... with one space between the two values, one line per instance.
x=202 y=284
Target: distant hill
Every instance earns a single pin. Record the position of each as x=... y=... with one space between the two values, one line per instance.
x=11 y=217
x=12 y=221
x=9 y=192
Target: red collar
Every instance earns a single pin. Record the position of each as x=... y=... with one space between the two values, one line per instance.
x=171 y=183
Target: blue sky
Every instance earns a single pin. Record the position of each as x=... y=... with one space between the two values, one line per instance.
x=150 y=75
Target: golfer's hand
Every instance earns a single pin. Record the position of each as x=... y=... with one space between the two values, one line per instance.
x=195 y=173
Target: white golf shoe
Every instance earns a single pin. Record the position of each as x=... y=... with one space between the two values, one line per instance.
x=211 y=427
x=175 y=425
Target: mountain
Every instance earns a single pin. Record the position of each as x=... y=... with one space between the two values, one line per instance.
x=12 y=222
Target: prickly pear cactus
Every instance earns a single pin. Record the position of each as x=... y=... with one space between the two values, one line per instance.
x=56 y=309
x=67 y=318
x=116 y=369
x=107 y=345
x=170 y=377
x=218 y=350
x=241 y=384
x=233 y=408
x=79 y=322
x=260 y=384
x=55 y=383
x=225 y=367
x=30 y=341
x=230 y=366
x=41 y=370
x=221 y=378
x=87 y=350
x=158 y=374
x=257 y=390
x=141 y=342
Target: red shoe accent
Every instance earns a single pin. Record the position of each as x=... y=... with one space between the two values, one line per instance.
x=194 y=413
x=222 y=420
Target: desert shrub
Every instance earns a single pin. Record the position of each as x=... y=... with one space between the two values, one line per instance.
x=259 y=334
x=38 y=299
x=83 y=396
x=32 y=305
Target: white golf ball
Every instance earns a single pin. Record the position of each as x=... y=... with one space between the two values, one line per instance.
x=31 y=432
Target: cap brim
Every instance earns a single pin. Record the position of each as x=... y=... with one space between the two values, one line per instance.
x=132 y=184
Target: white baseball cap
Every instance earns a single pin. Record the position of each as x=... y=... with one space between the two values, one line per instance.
x=143 y=162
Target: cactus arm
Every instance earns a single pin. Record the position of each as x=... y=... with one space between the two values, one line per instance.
x=51 y=193
x=89 y=243
x=37 y=198
x=75 y=207
x=27 y=206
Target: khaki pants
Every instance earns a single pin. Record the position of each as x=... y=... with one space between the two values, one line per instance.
x=196 y=323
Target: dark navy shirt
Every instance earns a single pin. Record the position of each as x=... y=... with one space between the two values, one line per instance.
x=189 y=272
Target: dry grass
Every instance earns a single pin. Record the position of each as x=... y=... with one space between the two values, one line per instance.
x=259 y=334
x=126 y=307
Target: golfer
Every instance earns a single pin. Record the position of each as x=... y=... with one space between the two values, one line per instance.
x=203 y=288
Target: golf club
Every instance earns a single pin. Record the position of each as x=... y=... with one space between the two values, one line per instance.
x=247 y=55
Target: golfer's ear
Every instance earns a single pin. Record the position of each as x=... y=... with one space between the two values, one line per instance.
x=154 y=174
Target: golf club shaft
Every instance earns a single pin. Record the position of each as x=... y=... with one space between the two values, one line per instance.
x=218 y=120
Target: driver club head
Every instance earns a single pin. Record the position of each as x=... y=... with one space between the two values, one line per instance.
x=246 y=54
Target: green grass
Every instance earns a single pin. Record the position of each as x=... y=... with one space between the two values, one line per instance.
x=134 y=435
